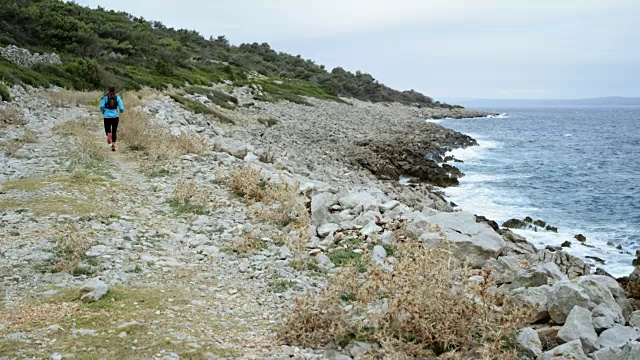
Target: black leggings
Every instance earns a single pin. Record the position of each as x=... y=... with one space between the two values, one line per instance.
x=111 y=126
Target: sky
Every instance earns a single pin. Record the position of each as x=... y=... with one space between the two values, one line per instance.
x=447 y=49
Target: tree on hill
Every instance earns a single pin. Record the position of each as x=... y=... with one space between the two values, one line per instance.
x=102 y=46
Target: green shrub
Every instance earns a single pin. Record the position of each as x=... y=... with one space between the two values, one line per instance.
x=4 y=93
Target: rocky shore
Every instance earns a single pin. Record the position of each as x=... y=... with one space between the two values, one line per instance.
x=167 y=280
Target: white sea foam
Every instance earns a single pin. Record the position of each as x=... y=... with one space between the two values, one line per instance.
x=498 y=116
x=472 y=152
x=617 y=263
x=476 y=195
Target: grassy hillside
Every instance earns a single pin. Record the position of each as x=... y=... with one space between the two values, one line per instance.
x=100 y=47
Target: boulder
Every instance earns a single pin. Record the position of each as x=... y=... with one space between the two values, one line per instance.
x=603 y=317
x=536 y=297
x=571 y=350
x=505 y=269
x=327 y=229
x=359 y=202
x=633 y=284
x=617 y=336
x=516 y=244
x=378 y=256
x=529 y=342
x=491 y=223
x=543 y=274
x=580 y=238
x=634 y=319
x=563 y=297
x=540 y=223
x=232 y=147
x=515 y=224
x=631 y=351
x=320 y=204
x=607 y=354
x=324 y=263
x=388 y=206
x=93 y=290
x=578 y=326
x=605 y=290
x=568 y=264
x=473 y=241
x=371 y=228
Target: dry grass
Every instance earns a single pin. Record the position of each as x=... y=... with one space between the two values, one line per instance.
x=187 y=191
x=427 y=307
x=70 y=98
x=189 y=198
x=280 y=202
x=29 y=136
x=71 y=246
x=139 y=134
x=11 y=115
x=137 y=98
x=12 y=146
x=88 y=147
x=189 y=143
x=246 y=244
x=247 y=182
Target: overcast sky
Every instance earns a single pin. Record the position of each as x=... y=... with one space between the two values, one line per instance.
x=443 y=48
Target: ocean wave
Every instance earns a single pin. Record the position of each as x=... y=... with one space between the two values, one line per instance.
x=476 y=194
x=617 y=263
x=472 y=152
x=497 y=116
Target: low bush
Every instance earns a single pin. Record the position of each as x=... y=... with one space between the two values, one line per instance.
x=280 y=202
x=429 y=305
x=246 y=244
x=71 y=245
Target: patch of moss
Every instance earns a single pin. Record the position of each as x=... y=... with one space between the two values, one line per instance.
x=69 y=182
x=306 y=264
x=281 y=285
x=181 y=208
x=343 y=257
x=84 y=193
x=114 y=314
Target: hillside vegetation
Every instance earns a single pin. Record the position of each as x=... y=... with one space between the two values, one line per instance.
x=100 y=47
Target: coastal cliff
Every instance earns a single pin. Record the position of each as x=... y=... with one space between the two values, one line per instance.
x=272 y=222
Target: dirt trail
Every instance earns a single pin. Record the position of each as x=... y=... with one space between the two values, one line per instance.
x=173 y=288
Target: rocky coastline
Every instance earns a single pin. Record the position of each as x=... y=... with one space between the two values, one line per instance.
x=344 y=161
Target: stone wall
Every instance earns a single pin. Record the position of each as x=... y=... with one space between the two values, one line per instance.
x=24 y=57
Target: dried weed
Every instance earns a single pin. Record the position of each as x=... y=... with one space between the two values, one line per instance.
x=71 y=246
x=11 y=115
x=428 y=306
x=69 y=98
x=281 y=202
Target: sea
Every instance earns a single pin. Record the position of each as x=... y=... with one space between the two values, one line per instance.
x=578 y=169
